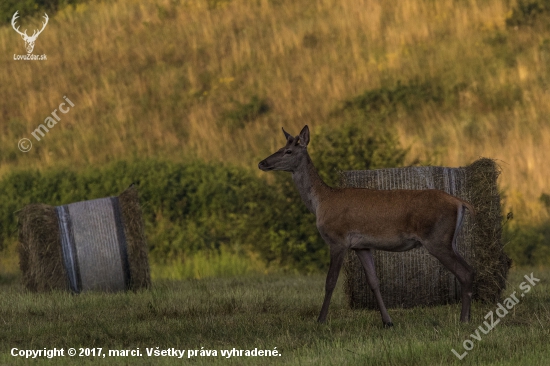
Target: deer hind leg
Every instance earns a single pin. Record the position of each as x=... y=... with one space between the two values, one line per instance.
x=447 y=254
x=465 y=275
x=336 y=261
x=367 y=260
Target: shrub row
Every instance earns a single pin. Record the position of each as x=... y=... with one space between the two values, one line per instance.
x=194 y=206
x=187 y=207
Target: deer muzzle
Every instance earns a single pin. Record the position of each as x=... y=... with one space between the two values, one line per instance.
x=264 y=166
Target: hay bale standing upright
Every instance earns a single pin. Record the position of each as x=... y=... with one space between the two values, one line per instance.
x=90 y=245
x=415 y=278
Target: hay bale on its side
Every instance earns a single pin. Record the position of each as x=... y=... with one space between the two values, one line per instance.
x=51 y=259
x=415 y=277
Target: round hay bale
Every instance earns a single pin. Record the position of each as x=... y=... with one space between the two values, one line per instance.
x=415 y=277
x=40 y=257
x=90 y=245
x=134 y=229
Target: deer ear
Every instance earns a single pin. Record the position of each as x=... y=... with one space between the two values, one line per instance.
x=287 y=135
x=304 y=136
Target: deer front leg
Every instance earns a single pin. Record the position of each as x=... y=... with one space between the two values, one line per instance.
x=365 y=256
x=336 y=260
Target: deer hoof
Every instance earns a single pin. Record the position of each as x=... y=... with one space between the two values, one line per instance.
x=388 y=325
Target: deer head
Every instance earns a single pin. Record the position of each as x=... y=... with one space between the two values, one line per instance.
x=289 y=157
x=29 y=41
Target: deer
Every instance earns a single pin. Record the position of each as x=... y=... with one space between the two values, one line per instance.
x=29 y=41
x=364 y=220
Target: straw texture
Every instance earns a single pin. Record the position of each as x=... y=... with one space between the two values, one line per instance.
x=91 y=245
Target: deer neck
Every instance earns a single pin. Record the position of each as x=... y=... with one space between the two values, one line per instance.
x=310 y=185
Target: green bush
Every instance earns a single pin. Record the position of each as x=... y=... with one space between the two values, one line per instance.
x=528 y=12
x=410 y=96
x=528 y=246
x=242 y=113
x=358 y=144
x=31 y=7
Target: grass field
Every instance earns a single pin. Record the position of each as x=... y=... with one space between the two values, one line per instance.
x=265 y=312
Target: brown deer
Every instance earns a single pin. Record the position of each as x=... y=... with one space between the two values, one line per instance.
x=368 y=219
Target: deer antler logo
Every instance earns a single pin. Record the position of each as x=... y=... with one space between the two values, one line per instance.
x=29 y=41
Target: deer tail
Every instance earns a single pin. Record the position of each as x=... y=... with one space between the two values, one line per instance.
x=469 y=207
x=460 y=219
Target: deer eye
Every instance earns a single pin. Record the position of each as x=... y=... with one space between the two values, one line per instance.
x=288 y=152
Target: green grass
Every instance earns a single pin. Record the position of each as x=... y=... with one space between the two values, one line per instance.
x=205 y=264
x=265 y=312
